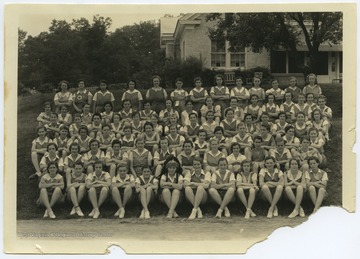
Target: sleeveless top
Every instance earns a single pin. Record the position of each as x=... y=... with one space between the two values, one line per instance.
x=146 y=116
x=221 y=179
x=133 y=97
x=259 y=92
x=41 y=144
x=197 y=179
x=192 y=131
x=140 y=160
x=128 y=142
x=70 y=162
x=271 y=177
x=316 y=90
x=212 y=160
x=172 y=141
x=78 y=179
x=257 y=155
x=232 y=126
x=187 y=160
x=157 y=99
x=61 y=143
x=150 y=180
x=101 y=98
x=81 y=98
x=294 y=92
x=126 y=115
x=300 y=132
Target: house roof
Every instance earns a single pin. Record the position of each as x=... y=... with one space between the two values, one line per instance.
x=168 y=24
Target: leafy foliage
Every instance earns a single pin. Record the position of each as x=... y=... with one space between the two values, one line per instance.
x=83 y=49
x=270 y=31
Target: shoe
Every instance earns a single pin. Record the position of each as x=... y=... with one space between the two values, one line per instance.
x=302 y=213
x=247 y=214
x=199 y=213
x=276 y=212
x=294 y=214
x=46 y=214
x=270 y=213
x=227 y=212
x=147 y=214
x=142 y=214
x=96 y=214
x=79 y=212
x=117 y=213
x=122 y=213
x=51 y=214
x=169 y=215
x=91 y=214
x=193 y=214
x=218 y=214
x=252 y=214
x=175 y=215
x=72 y=211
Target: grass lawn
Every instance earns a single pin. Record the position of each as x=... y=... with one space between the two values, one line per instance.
x=29 y=108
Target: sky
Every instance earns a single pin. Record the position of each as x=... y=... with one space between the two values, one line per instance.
x=36 y=23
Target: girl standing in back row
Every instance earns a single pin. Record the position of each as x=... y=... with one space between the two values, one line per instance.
x=156 y=95
x=101 y=97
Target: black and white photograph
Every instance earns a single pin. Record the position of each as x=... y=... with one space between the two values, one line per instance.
x=174 y=127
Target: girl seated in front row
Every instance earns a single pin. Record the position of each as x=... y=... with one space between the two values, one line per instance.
x=246 y=183
x=271 y=181
x=222 y=188
x=146 y=185
x=122 y=189
x=51 y=185
x=76 y=187
x=316 y=181
x=196 y=182
x=295 y=186
x=98 y=184
x=171 y=183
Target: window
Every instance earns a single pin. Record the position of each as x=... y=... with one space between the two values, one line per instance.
x=237 y=59
x=322 y=66
x=218 y=54
x=295 y=62
x=278 y=62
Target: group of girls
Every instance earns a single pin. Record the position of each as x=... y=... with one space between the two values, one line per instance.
x=229 y=143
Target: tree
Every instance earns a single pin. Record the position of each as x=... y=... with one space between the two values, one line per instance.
x=272 y=31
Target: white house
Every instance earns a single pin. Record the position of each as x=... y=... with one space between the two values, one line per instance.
x=187 y=36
